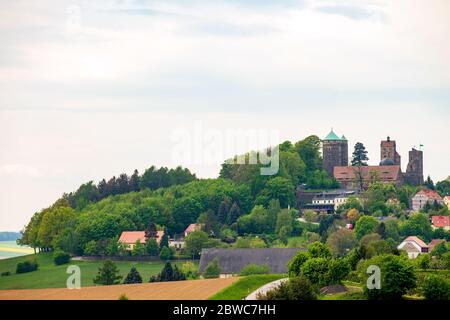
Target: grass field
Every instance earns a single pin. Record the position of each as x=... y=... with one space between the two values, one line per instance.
x=244 y=286
x=51 y=276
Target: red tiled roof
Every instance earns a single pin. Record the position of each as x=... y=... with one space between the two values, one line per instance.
x=434 y=243
x=193 y=227
x=447 y=198
x=416 y=240
x=130 y=237
x=385 y=173
x=440 y=221
x=430 y=194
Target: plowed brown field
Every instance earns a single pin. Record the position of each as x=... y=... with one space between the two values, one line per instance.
x=177 y=290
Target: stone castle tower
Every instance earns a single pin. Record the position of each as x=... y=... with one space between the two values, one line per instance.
x=414 y=171
x=389 y=155
x=335 y=152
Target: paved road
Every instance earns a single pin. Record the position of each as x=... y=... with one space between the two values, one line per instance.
x=265 y=288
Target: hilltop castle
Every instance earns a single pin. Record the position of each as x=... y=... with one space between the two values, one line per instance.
x=335 y=163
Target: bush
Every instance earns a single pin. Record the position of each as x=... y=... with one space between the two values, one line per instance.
x=168 y=274
x=123 y=296
x=133 y=277
x=165 y=254
x=254 y=269
x=27 y=266
x=423 y=261
x=190 y=270
x=436 y=288
x=6 y=274
x=297 y=262
x=297 y=288
x=108 y=274
x=61 y=257
x=338 y=269
x=397 y=277
x=212 y=270
x=316 y=270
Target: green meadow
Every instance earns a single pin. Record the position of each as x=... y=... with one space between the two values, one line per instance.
x=50 y=276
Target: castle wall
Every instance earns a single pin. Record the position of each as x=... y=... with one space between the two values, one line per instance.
x=335 y=153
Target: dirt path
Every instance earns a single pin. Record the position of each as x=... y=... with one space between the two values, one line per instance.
x=177 y=290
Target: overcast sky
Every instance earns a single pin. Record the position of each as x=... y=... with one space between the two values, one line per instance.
x=93 y=90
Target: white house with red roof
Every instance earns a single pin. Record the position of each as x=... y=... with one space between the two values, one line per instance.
x=130 y=238
x=425 y=196
x=413 y=246
x=440 y=222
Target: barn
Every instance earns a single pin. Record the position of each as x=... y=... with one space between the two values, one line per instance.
x=231 y=261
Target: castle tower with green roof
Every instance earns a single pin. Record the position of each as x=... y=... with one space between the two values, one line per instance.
x=335 y=152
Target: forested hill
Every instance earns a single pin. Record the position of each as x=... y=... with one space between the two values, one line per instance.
x=9 y=236
x=92 y=217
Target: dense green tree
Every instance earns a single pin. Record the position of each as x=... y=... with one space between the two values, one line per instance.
x=443 y=187
x=249 y=242
x=278 y=188
x=397 y=277
x=165 y=254
x=164 y=242
x=319 y=250
x=285 y=224
x=436 y=288
x=133 y=277
x=223 y=210
x=418 y=225
x=151 y=231
x=297 y=288
x=152 y=247
x=341 y=242
x=233 y=214
x=359 y=157
x=365 y=225
x=212 y=270
x=257 y=222
x=429 y=183
x=108 y=274
x=195 y=242
x=309 y=151
x=296 y=263
x=138 y=249
x=55 y=221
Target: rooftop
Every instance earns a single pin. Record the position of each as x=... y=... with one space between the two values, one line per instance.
x=231 y=261
x=440 y=221
x=417 y=241
x=334 y=137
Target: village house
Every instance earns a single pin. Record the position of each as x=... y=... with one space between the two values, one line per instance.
x=440 y=222
x=413 y=246
x=329 y=201
x=130 y=238
x=423 y=197
x=177 y=242
x=193 y=227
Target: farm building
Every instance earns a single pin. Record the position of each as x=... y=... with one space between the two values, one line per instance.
x=231 y=261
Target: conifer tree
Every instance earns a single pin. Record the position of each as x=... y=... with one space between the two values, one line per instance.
x=133 y=277
x=108 y=274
